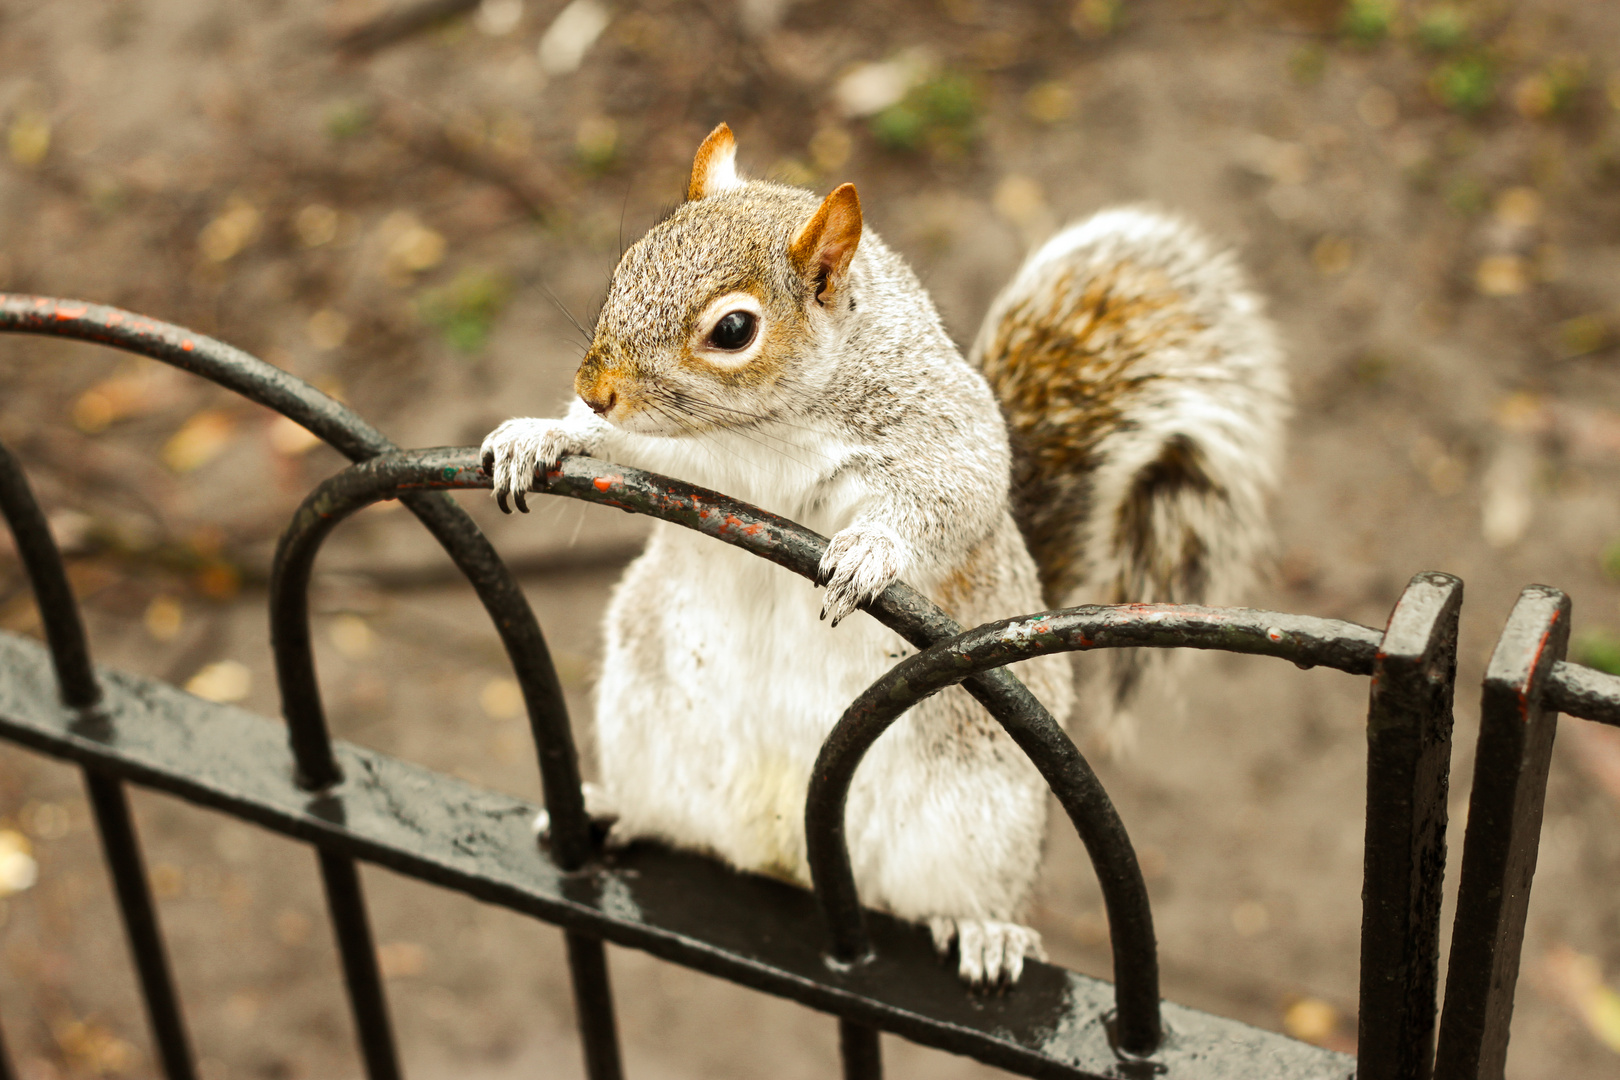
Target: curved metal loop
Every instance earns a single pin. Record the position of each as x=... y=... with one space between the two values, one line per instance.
x=351 y=436
x=384 y=477
x=1306 y=641
x=42 y=561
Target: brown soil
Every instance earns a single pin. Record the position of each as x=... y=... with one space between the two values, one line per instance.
x=1436 y=221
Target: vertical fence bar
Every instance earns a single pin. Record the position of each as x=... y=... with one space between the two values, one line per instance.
x=861 y=1051
x=76 y=681
x=123 y=852
x=1408 y=767
x=1504 y=831
x=347 y=906
x=593 y=1001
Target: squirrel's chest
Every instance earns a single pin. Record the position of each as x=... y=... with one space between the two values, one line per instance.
x=742 y=640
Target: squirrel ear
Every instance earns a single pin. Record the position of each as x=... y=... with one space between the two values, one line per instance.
x=715 y=167
x=826 y=243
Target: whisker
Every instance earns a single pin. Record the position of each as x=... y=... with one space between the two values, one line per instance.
x=754 y=434
x=758 y=438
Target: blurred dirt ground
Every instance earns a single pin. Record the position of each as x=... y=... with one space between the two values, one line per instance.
x=1429 y=193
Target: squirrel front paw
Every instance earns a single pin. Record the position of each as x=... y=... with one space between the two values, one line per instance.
x=512 y=452
x=989 y=954
x=860 y=562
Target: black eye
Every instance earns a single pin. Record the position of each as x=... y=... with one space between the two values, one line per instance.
x=735 y=330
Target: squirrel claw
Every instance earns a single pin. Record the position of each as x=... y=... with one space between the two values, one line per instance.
x=990 y=955
x=500 y=500
x=517 y=497
x=860 y=562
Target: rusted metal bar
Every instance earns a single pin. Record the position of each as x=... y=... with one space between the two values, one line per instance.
x=1504 y=829
x=1408 y=772
x=1305 y=641
x=80 y=692
x=1580 y=691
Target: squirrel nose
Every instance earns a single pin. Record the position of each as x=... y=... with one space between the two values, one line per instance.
x=600 y=405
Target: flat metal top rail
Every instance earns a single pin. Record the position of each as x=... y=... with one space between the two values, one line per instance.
x=1583 y=692
x=681 y=907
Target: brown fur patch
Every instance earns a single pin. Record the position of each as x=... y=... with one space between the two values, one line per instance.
x=968 y=579
x=823 y=248
x=1063 y=366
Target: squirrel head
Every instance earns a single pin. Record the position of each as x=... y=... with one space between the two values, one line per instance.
x=713 y=317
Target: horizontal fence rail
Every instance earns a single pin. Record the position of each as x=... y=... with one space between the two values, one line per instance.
x=870 y=970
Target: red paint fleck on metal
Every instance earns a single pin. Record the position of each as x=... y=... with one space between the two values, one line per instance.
x=187 y=345
x=114 y=318
x=602 y=483
x=63 y=314
x=753 y=530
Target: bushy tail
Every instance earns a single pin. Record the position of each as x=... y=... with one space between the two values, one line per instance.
x=1144 y=392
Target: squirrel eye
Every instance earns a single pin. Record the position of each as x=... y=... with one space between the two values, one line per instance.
x=735 y=330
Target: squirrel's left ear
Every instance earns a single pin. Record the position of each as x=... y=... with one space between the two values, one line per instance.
x=825 y=244
x=714 y=169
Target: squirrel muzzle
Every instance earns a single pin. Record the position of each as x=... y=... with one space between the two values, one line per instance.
x=595 y=385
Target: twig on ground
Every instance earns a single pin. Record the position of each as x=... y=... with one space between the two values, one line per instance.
x=399 y=23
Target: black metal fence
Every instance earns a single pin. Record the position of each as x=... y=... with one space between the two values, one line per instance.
x=871 y=971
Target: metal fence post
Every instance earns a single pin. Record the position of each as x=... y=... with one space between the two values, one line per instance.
x=76 y=683
x=1504 y=831
x=1408 y=768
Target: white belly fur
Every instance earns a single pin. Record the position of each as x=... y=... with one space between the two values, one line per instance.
x=719 y=685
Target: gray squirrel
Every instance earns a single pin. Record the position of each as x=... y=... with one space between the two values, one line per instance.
x=1113 y=439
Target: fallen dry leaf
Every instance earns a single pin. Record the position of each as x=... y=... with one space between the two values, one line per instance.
x=1311 y=1020
x=1575 y=981
x=224 y=680
x=223 y=238
x=1502 y=275
x=501 y=699
x=164 y=618
x=401 y=959
x=290 y=438
x=199 y=440
x=18 y=870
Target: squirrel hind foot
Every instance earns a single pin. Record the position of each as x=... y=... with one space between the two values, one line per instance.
x=989 y=954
